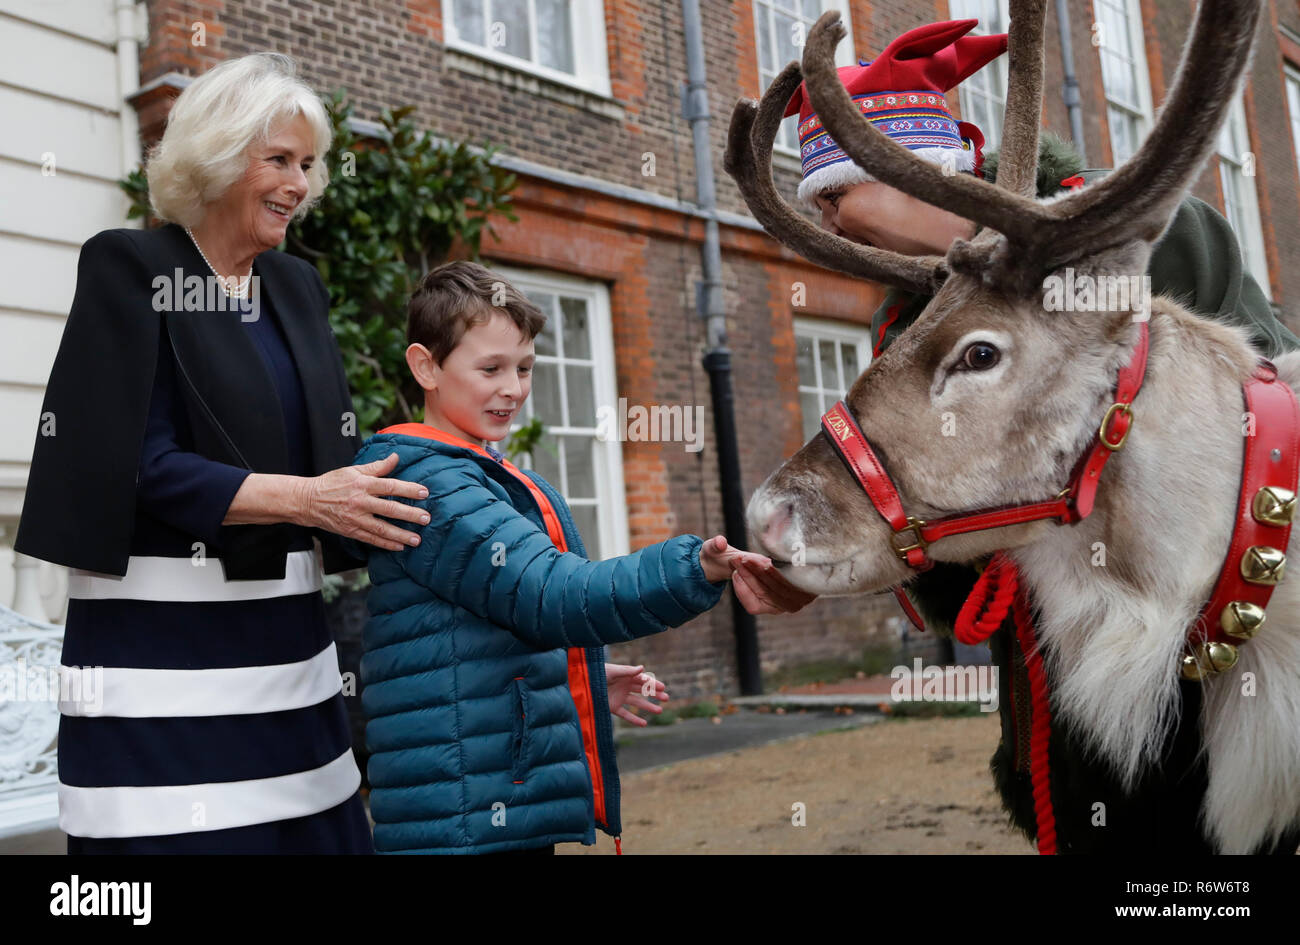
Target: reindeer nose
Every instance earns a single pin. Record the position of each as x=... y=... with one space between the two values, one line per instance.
x=777 y=524
x=771 y=521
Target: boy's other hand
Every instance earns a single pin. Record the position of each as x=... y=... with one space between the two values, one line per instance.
x=346 y=501
x=629 y=687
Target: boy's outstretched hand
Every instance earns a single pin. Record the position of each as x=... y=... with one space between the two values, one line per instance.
x=630 y=687
x=759 y=586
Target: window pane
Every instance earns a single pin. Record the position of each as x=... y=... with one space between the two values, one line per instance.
x=509 y=28
x=765 y=62
x=803 y=358
x=580 y=384
x=1231 y=201
x=785 y=47
x=1123 y=134
x=579 y=460
x=982 y=96
x=546 y=460
x=849 y=354
x=544 y=343
x=554 y=35
x=469 y=20
x=1121 y=84
x=810 y=408
x=789 y=135
x=577 y=341
x=826 y=354
x=1293 y=101
x=585 y=518
x=546 y=394
x=812 y=9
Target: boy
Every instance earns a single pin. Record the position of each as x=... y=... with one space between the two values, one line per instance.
x=484 y=675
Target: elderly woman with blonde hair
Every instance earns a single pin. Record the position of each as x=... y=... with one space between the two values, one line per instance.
x=195 y=443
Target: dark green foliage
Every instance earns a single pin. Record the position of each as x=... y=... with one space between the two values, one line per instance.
x=1057 y=160
x=392 y=211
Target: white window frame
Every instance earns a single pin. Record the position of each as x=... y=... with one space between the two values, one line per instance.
x=1240 y=196
x=845 y=333
x=1293 y=107
x=590 y=52
x=1142 y=110
x=844 y=56
x=611 y=498
x=995 y=73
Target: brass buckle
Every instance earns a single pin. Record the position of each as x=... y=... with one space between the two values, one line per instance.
x=1105 y=422
x=914 y=525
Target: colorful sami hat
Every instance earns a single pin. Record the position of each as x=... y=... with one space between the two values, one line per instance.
x=902 y=93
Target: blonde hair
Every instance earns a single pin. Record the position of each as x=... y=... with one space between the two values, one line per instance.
x=214 y=121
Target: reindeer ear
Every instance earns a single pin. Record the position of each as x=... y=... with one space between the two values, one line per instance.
x=1110 y=289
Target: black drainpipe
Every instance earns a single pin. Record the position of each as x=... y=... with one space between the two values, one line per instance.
x=717 y=361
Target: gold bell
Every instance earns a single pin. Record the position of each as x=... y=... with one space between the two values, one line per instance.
x=1209 y=659
x=1221 y=656
x=1263 y=565
x=1241 y=619
x=1273 y=505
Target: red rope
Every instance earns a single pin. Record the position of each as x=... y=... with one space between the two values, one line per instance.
x=999 y=588
x=999 y=581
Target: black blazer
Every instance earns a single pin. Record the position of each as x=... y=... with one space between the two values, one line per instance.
x=79 y=508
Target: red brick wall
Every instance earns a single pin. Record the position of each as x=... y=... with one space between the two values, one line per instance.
x=390 y=52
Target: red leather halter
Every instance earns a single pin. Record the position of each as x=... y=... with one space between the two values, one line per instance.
x=912 y=536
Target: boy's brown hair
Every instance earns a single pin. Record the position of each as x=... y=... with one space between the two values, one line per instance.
x=458 y=295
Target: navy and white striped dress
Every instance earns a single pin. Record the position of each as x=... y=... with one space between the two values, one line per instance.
x=220 y=726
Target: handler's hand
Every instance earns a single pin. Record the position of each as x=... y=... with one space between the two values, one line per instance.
x=346 y=501
x=767 y=589
x=758 y=585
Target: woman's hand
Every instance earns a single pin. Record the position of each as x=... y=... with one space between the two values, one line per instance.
x=758 y=585
x=629 y=687
x=346 y=501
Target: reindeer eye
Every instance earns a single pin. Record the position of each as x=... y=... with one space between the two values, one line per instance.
x=979 y=357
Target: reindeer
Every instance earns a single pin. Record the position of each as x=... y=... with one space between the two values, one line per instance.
x=1028 y=390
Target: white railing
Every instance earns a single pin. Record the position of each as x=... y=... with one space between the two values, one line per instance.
x=30 y=647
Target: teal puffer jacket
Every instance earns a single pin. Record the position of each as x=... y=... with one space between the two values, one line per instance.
x=483 y=677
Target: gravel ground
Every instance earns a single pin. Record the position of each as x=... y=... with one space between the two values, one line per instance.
x=900 y=786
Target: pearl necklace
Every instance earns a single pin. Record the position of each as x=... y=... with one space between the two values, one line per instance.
x=241 y=287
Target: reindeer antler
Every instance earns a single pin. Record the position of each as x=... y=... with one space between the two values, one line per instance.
x=1135 y=202
x=1018 y=163
x=748 y=160
x=1138 y=198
